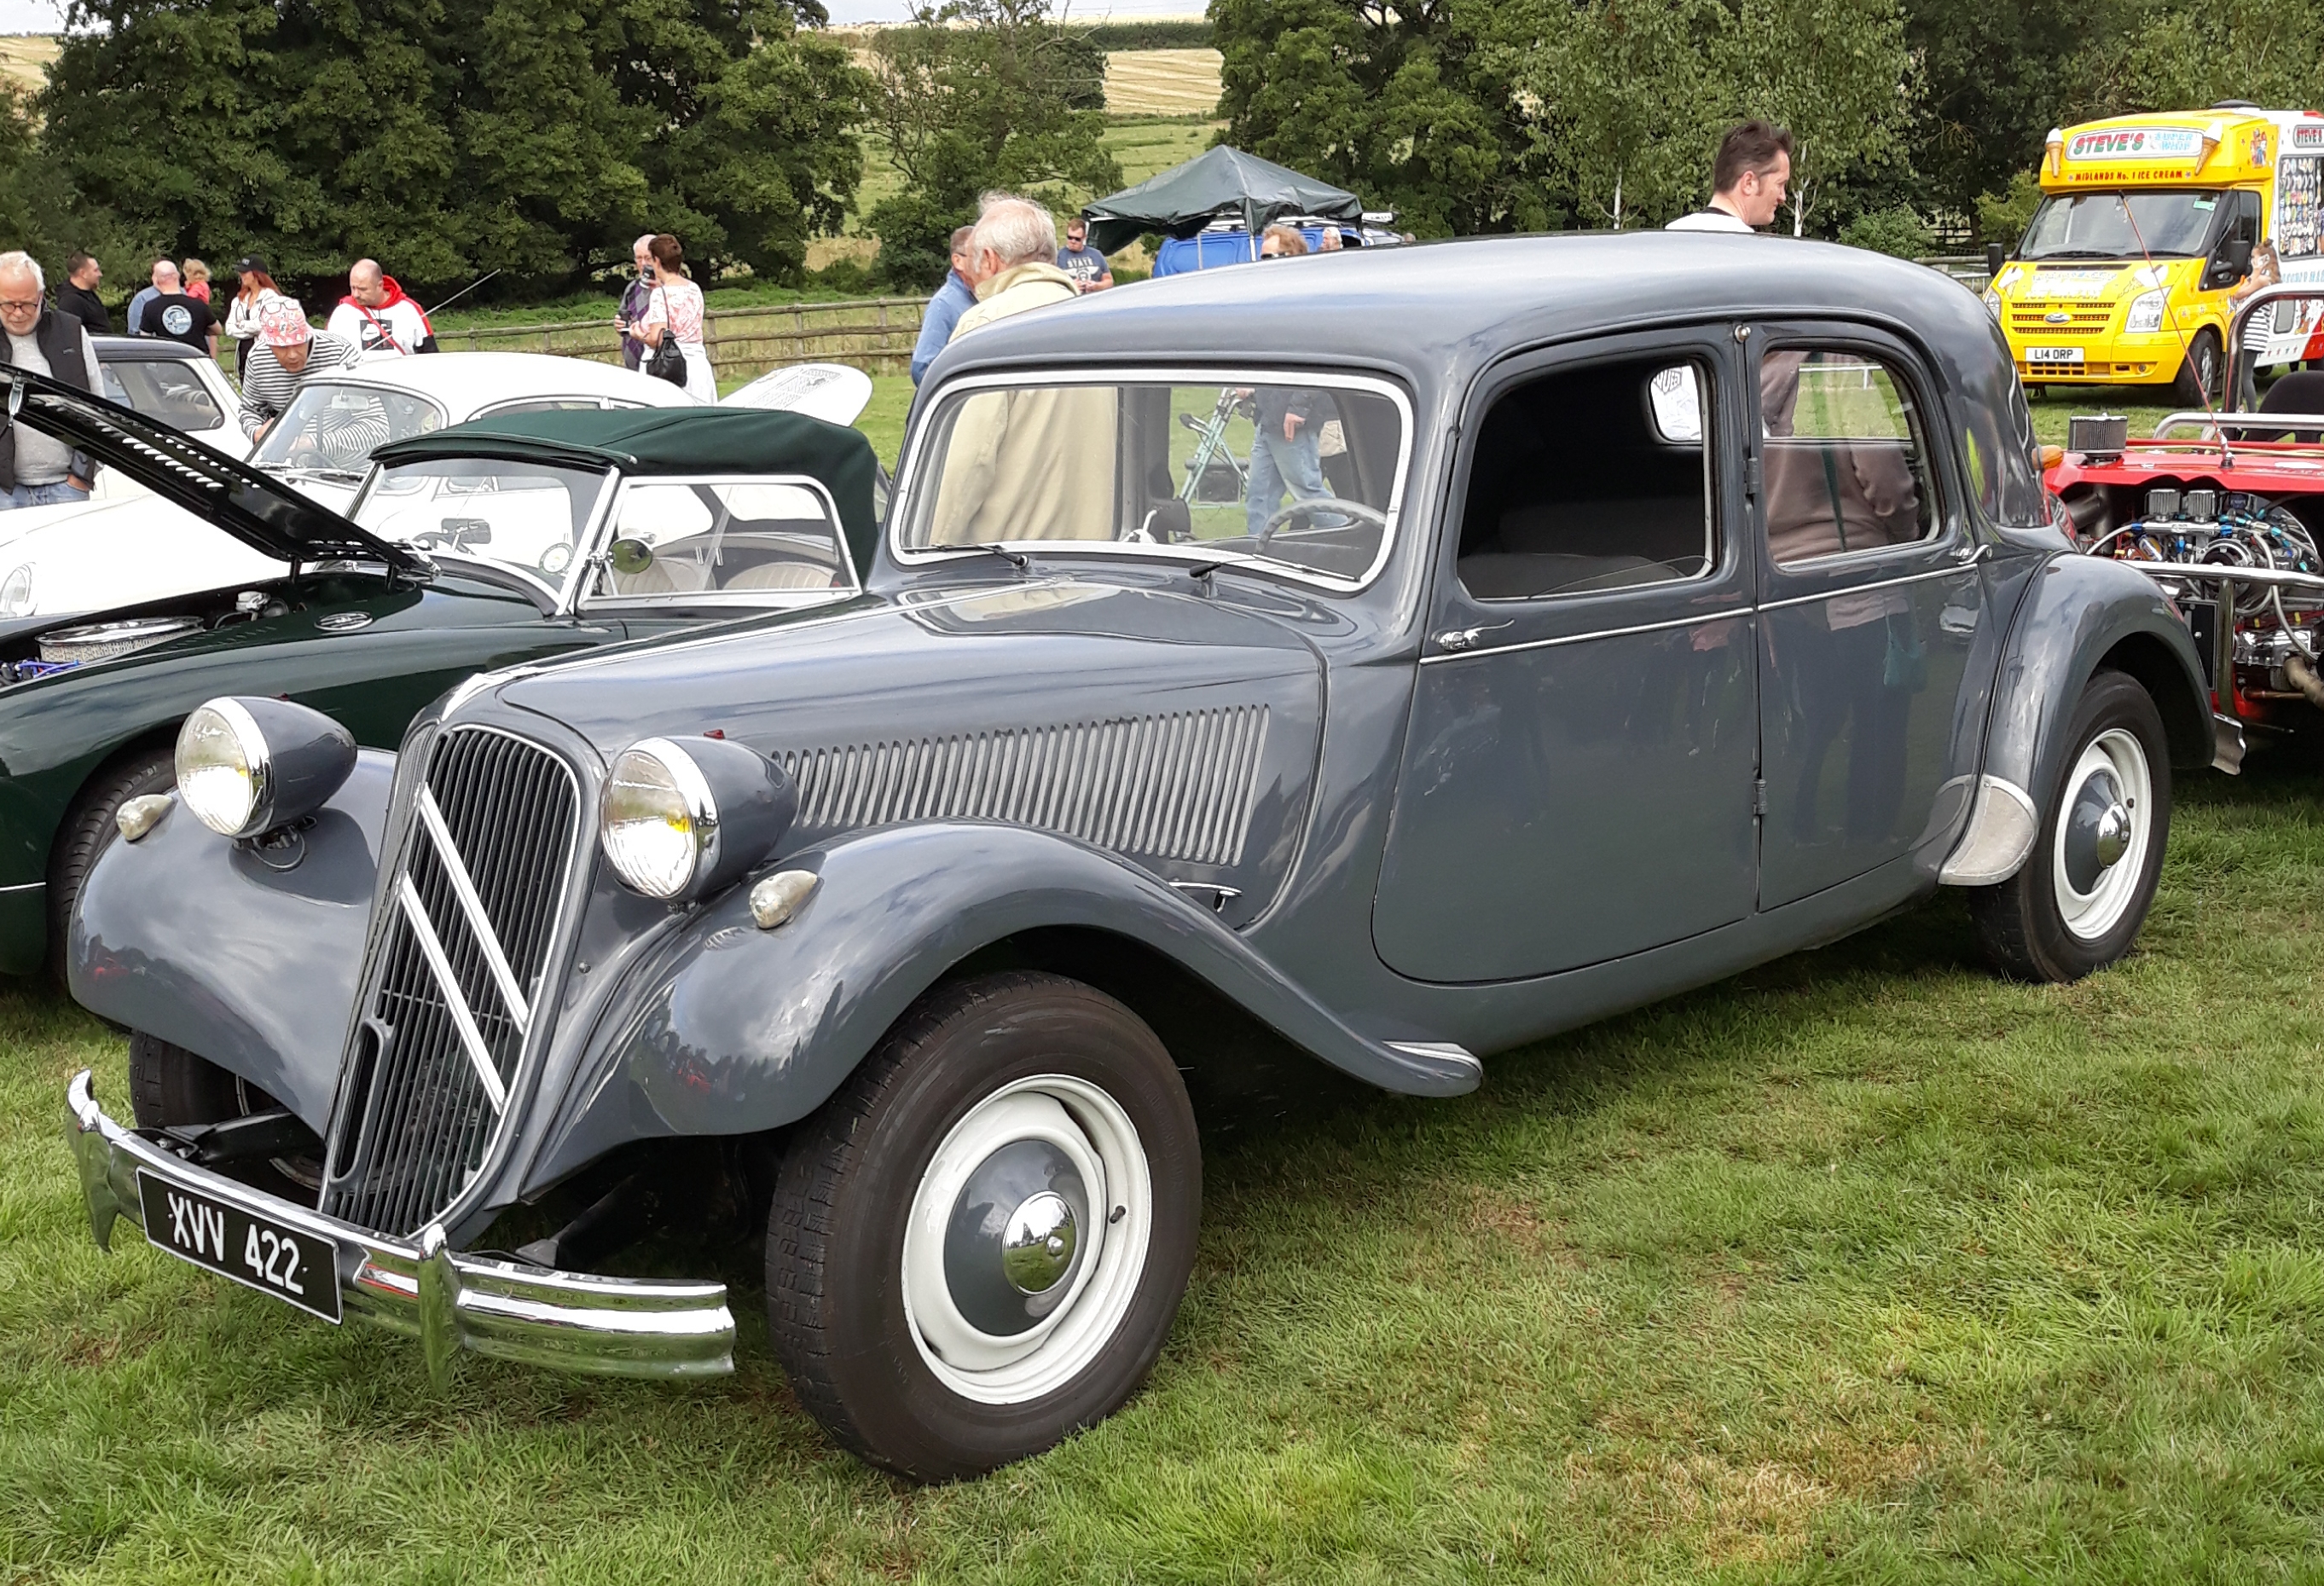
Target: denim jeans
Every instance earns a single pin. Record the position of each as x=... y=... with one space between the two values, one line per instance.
x=1277 y=465
x=61 y=494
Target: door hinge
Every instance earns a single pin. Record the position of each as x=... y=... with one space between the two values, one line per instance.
x=1751 y=474
x=1760 y=796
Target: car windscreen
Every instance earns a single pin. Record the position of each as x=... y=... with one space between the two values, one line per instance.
x=1297 y=473
x=2111 y=226
x=333 y=426
x=525 y=516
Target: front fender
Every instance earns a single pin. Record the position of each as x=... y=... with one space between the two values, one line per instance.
x=731 y=1029
x=211 y=945
x=2081 y=613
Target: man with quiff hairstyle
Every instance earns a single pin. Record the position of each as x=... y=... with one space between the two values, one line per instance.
x=1747 y=180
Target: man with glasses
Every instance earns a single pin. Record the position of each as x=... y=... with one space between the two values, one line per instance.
x=35 y=470
x=1084 y=263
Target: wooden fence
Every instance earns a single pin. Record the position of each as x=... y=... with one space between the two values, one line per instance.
x=874 y=334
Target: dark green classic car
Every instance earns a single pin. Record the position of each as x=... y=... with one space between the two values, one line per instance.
x=476 y=547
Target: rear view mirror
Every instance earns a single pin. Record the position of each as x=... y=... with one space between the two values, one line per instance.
x=2230 y=264
x=629 y=558
x=1997 y=254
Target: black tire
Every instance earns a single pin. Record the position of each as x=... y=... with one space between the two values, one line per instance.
x=836 y=1232
x=88 y=826
x=2023 y=922
x=2199 y=371
x=171 y=1086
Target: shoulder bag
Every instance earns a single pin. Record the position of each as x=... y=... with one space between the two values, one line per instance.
x=668 y=361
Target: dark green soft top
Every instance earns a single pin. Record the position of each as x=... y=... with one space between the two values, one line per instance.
x=676 y=440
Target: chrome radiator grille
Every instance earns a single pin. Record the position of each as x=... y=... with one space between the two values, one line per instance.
x=457 y=966
x=1178 y=786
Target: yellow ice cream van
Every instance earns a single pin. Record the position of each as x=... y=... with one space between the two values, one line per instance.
x=2126 y=275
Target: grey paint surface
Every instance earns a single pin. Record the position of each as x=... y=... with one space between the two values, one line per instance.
x=1441 y=845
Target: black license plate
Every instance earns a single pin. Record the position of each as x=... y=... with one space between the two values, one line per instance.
x=295 y=1267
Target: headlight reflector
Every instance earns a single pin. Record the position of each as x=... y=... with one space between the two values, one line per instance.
x=16 y=592
x=2146 y=312
x=222 y=767
x=680 y=821
x=659 y=818
x=248 y=765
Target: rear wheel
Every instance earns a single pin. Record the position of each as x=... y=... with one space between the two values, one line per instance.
x=2077 y=903
x=171 y=1087
x=2199 y=375
x=978 y=1246
x=90 y=826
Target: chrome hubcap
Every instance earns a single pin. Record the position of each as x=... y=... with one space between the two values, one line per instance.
x=2100 y=852
x=1026 y=1239
x=1011 y=1241
x=1037 y=1250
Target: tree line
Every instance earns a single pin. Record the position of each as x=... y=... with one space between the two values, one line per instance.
x=539 y=137
x=1483 y=116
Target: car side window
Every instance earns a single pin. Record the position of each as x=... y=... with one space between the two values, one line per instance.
x=688 y=539
x=575 y=404
x=164 y=389
x=1845 y=458
x=1591 y=478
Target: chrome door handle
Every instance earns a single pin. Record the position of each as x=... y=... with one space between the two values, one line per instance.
x=1969 y=556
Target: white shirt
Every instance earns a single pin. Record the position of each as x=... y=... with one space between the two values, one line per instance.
x=396 y=328
x=1710 y=220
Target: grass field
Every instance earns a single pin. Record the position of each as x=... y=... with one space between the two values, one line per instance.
x=1164 y=82
x=1861 y=1266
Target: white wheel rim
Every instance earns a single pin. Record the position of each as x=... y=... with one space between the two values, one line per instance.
x=1087 y=1128
x=2110 y=779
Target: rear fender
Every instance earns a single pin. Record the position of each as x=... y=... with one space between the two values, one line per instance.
x=731 y=1029
x=2081 y=612
x=234 y=952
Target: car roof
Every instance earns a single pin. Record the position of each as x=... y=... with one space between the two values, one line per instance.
x=693 y=441
x=464 y=381
x=1435 y=309
x=114 y=349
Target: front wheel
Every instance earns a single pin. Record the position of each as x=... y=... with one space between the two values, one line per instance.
x=978 y=1245
x=170 y=1087
x=2199 y=376
x=91 y=825
x=2077 y=903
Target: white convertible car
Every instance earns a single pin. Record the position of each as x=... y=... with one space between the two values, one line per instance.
x=123 y=549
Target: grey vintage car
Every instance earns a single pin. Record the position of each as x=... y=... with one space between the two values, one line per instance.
x=1401 y=656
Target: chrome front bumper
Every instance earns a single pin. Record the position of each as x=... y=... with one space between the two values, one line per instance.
x=571 y=1321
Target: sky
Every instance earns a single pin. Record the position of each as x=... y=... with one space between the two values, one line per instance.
x=41 y=16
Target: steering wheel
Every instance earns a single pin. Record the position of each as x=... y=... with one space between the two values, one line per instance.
x=1315 y=504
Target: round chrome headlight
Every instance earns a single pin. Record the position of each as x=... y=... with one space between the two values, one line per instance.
x=248 y=765
x=222 y=766
x=680 y=821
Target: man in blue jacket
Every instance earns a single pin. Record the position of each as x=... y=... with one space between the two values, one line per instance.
x=955 y=298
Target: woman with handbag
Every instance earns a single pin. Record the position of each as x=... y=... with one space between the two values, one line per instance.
x=671 y=328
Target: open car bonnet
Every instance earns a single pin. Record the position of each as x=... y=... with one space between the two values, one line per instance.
x=259 y=510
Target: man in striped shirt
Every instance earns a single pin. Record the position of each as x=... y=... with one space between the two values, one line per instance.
x=289 y=352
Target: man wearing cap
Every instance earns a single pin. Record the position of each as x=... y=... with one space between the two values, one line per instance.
x=37 y=470
x=290 y=352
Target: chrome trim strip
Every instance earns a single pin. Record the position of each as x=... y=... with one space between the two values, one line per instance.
x=1328 y=379
x=25 y=886
x=464 y=887
x=472 y=1039
x=1454 y=655
x=486 y=1306
x=1949 y=570
x=1743 y=611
